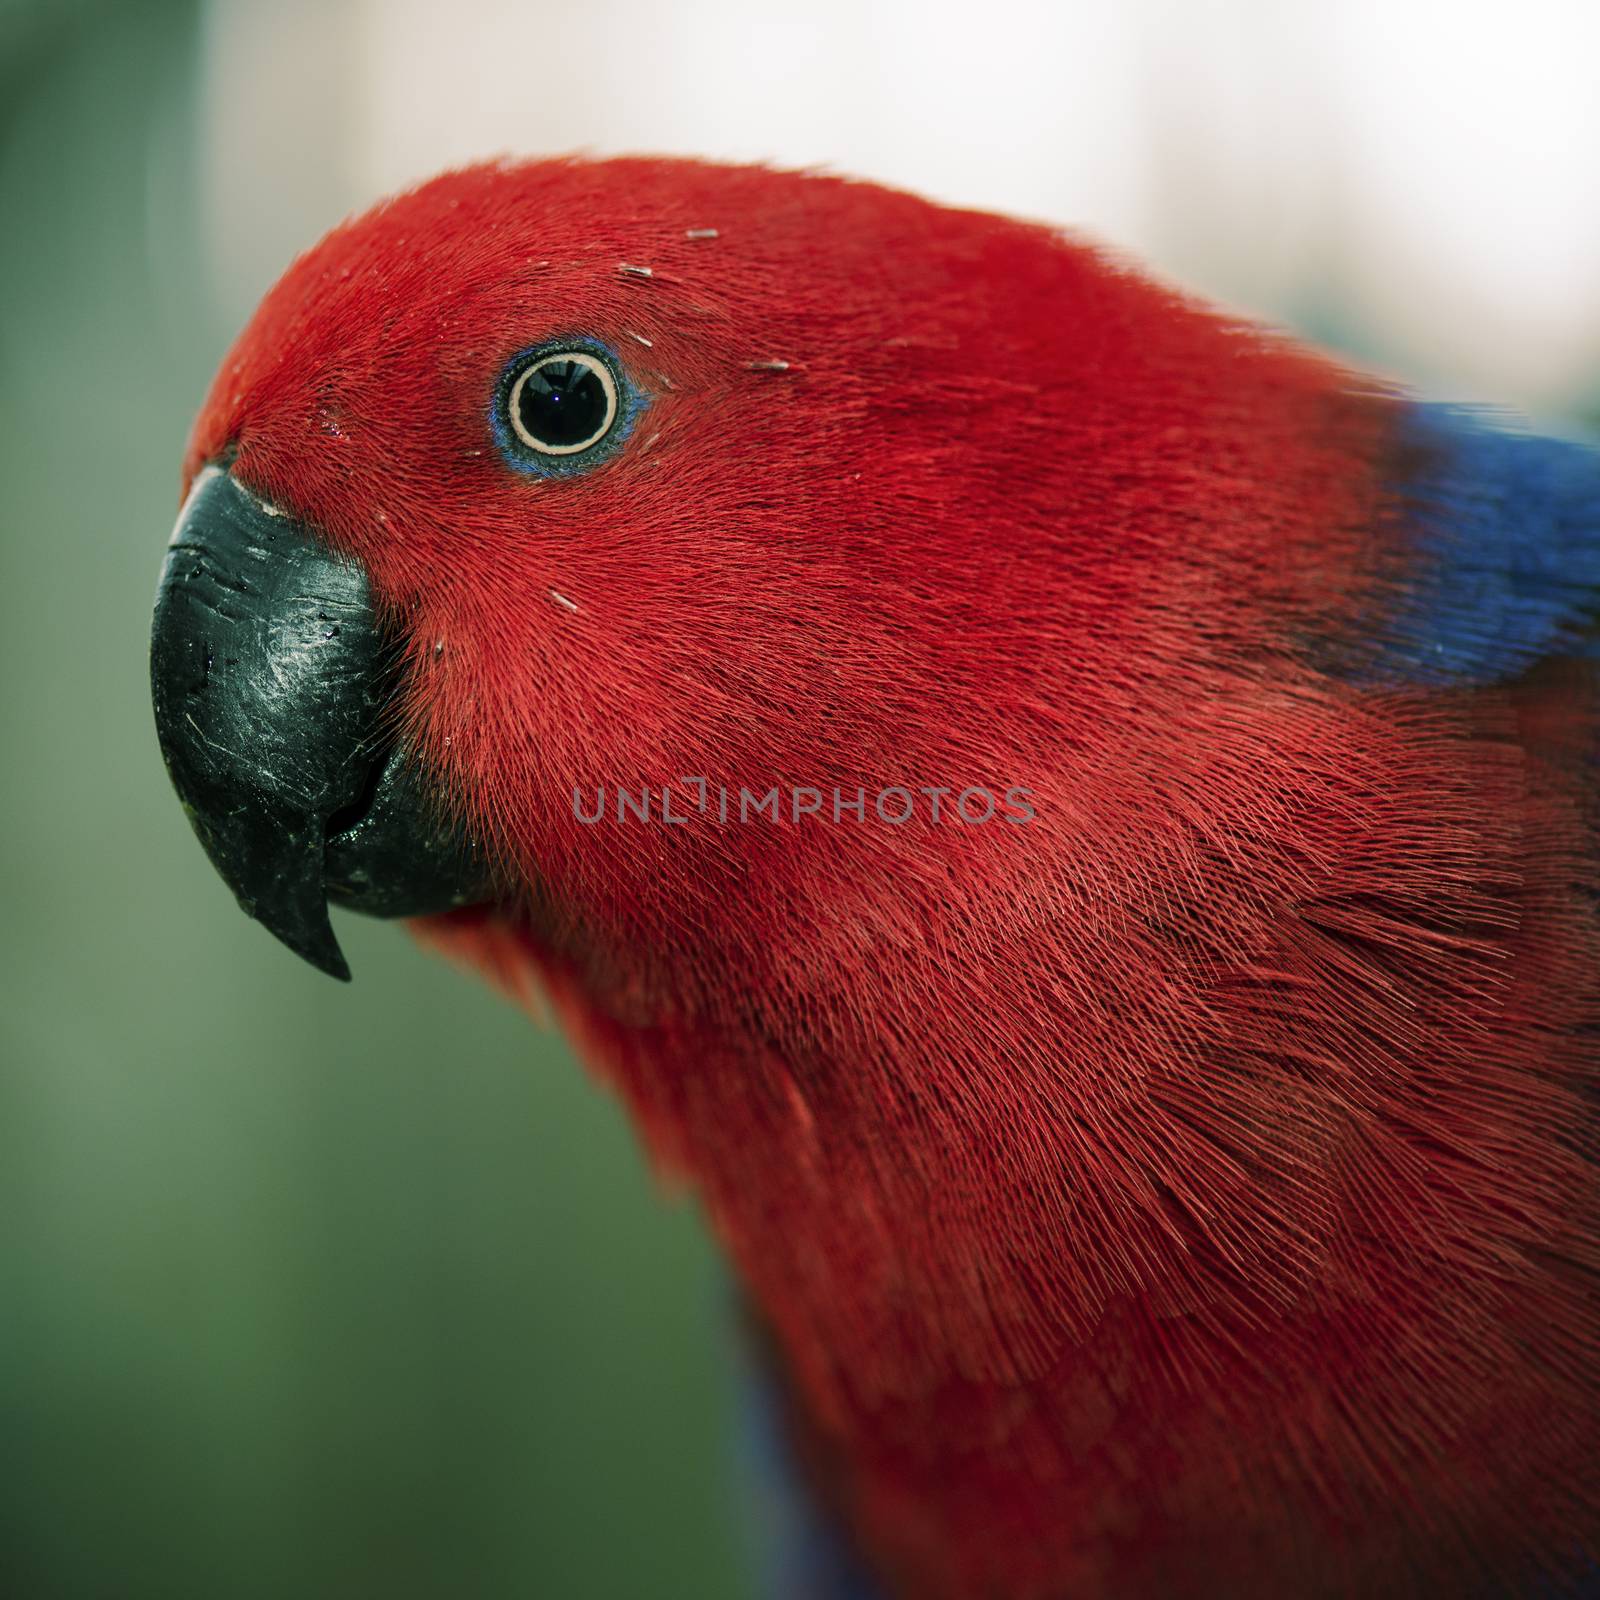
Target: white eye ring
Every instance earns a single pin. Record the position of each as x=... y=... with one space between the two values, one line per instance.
x=518 y=397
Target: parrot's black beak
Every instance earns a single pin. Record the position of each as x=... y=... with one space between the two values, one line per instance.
x=273 y=684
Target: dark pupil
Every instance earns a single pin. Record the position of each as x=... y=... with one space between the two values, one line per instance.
x=562 y=403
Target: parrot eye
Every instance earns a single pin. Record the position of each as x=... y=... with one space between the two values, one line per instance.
x=561 y=402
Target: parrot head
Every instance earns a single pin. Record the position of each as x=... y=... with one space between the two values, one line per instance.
x=553 y=480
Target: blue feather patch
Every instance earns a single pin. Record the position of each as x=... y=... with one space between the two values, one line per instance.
x=1506 y=535
x=800 y=1555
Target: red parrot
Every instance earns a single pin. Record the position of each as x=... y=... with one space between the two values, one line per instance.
x=1068 y=818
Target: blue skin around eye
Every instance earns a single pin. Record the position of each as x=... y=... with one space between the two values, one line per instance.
x=1506 y=529
x=516 y=455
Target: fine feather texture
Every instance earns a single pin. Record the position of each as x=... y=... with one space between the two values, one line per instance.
x=1191 y=1192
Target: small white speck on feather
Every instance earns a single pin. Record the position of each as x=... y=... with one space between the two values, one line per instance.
x=649 y=344
x=561 y=600
x=628 y=269
x=700 y=233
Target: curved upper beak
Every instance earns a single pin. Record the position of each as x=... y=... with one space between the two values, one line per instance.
x=272 y=679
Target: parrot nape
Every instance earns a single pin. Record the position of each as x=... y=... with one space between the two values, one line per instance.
x=1068 y=818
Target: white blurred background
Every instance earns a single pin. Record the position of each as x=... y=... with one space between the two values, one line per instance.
x=1415 y=180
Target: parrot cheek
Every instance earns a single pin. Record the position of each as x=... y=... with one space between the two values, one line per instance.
x=274 y=687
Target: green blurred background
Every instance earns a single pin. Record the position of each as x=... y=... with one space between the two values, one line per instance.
x=312 y=1291
x=305 y=1290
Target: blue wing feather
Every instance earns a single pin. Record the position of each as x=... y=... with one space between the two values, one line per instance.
x=800 y=1555
x=1506 y=531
